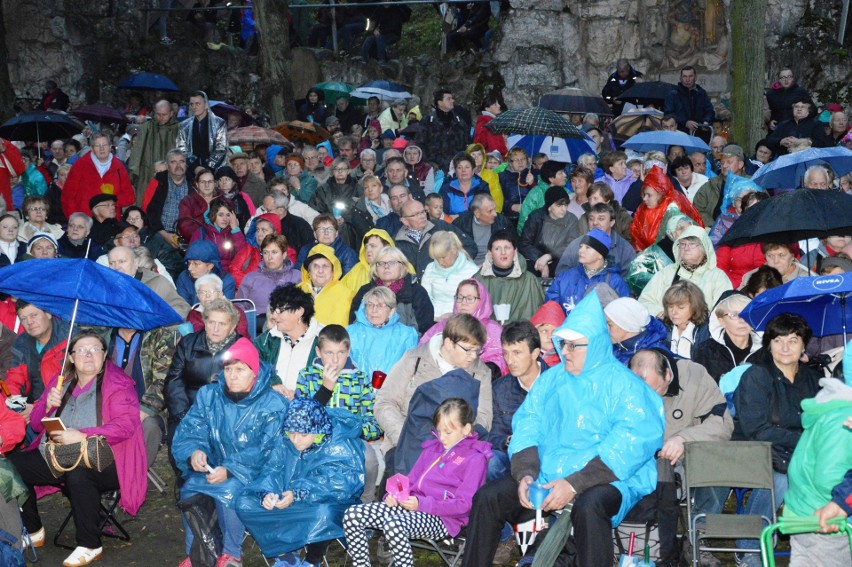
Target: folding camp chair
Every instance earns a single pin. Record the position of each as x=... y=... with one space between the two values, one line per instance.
x=797 y=526
x=109 y=526
x=250 y=309
x=740 y=464
x=449 y=549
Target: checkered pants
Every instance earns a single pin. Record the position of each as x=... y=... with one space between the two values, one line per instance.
x=399 y=525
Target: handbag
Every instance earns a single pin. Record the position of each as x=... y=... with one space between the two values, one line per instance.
x=92 y=452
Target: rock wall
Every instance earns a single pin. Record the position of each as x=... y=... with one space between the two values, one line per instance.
x=540 y=45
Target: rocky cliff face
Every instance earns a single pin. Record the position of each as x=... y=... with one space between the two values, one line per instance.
x=541 y=45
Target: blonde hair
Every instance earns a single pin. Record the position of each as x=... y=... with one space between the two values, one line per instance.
x=395 y=254
x=442 y=243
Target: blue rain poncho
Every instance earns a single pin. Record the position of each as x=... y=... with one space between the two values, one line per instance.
x=379 y=348
x=240 y=436
x=325 y=479
x=605 y=411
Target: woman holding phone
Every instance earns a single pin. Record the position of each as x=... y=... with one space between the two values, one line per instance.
x=92 y=397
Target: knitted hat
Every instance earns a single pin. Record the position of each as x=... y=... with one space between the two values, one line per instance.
x=272 y=219
x=39 y=236
x=245 y=352
x=306 y=415
x=226 y=171
x=555 y=194
x=101 y=198
x=550 y=313
x=628 y=314
x=598 y=240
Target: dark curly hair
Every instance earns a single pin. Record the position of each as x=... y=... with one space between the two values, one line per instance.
x=291 y=298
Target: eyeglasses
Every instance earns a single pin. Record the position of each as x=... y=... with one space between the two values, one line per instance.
x=208 y=293
x=733 y=315
x=88 y=351
x=376 y=306
x=36 y=209
x=687 y=245
x=469 y=350
x=468 y=299
x=341 y=169
x=417 y=214
x=571 y=347
x=783 y=77
x=388 y=264
x=325 y=230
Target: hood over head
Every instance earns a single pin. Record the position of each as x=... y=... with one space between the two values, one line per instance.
x=326 y=252
x=204 y=251
x=702 y=235
x=587 y=319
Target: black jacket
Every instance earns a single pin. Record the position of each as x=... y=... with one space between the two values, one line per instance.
x=441 y=136
x=718 y=358
x=807 y=128
x=412 y=304
x=769 y=407
x=689 y=104
x=507 y=396
x=781 y=101
x=614 y=89
x=418 y=255
x=297 y=231
x=532 y=247
x=464 y=222
x=192 y=367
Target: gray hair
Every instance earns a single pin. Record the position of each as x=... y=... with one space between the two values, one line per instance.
x=209 y=280
x=367 y=152
x=86 y=218
x=817 y=169
x=174 y=152
x=279 y=199
x=381 y=295
x=222 y=305
x=144 y=258
x=479 y=200
x=63 y=167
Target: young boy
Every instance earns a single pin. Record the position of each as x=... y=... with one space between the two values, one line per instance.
x=333 y=380
x=435 y=208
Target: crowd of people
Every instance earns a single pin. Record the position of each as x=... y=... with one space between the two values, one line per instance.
x=440 y=322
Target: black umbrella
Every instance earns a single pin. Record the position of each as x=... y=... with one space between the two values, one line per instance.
x=653 y=92
x=535 y=121
x=799 y=214
x=38 y=126
x=574 y=100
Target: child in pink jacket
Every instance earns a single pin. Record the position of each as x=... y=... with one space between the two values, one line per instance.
x=442 y=483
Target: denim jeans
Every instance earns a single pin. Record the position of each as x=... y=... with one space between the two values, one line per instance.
x=380 y=44
x=760 y=502
x=232 y=531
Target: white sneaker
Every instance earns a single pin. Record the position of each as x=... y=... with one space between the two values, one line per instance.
x=37 y=538
x=83 y=556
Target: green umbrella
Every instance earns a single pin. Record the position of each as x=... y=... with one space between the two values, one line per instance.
x=333 y=90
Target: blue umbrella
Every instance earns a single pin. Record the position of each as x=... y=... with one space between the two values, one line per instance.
x=148 y=82
x=82 y=291
x=560 y=149
x=385 y=90
x=820 y=300
x=662 y=139
x=787 y=171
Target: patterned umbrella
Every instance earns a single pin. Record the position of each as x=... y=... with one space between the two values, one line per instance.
x=652 y=92
x=575 y=101
x=305 y=131
x=635 y=121
x=255 y=135
x=535 y=121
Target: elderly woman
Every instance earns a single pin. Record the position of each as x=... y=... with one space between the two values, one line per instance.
x=782 y=257
x=732 y=341
x=340 y=188
x=321 y=273
x=198 y=358
x=686 y=317
x=89 y=379
x=768 y=404
x=616 y=174
x=378 y=339
x=226 y=438
x=374 y=240
x=391 y=271
x=42 y=245
x=570 y=286
x=366 y=165
x=466 y=185
x=275 y=270
x=301 y=183
x=658 y=196
x=290 y=341
x=451 y=266
x=472 y=298
x=54 y=196
x=191 y=208
x=35 y=211
x=11 y=249
x=425 y=173
x=222 y=229
x=202 y=257
x=76 y=242
x=695 y=261
x=547 y=232
x=209 y=288
x=516 y=181
x=657 y=256
x=374 y=202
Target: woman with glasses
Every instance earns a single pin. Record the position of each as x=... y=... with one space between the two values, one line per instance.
x=96 y=398
x=326 y=232
x=472 y=298
x=378 y=339
x=459 y=345
x=209 y=287
x=275 y=270
x=695 y=261
x=76 y=242
x=391 y=271
x=36 y=210
x=321 y=274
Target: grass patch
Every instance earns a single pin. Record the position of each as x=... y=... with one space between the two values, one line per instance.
x=421 y=35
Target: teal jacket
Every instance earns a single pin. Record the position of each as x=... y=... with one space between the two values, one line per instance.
x=605 y=411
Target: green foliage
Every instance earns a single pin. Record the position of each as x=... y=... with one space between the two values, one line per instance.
x=422 y=34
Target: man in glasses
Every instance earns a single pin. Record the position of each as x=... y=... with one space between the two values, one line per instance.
x=781 y=95
x=326 y=232
x=587 y=433
x=417 y=230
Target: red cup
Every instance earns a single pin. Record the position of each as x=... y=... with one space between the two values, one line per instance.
x=378 y=378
